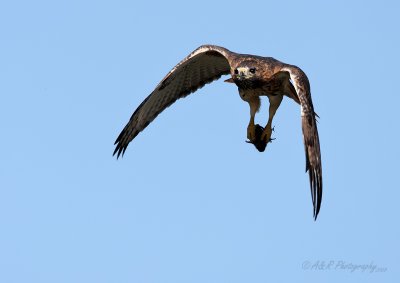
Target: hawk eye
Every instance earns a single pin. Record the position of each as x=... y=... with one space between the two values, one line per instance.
x=236 y=71
x=252 y=70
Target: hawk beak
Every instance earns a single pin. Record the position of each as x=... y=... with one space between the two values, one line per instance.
x=230 y=80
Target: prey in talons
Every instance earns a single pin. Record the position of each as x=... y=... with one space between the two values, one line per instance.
x=259 y=141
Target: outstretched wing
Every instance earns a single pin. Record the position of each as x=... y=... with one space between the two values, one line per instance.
x=204 y=65
x=310 y=134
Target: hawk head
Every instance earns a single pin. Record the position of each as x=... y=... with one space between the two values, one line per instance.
x=246 y=74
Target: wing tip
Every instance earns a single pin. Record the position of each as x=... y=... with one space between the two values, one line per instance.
x=316 y=193
x=316 y=212
x=119 y=149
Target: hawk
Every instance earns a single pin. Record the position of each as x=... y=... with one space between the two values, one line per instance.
x=254 y=76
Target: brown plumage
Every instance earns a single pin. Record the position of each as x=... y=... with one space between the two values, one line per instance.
x=255 y=76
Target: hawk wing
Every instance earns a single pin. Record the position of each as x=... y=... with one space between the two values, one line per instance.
x=310 y=134
x=204 y=65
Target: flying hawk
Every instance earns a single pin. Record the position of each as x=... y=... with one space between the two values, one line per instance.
x=254 y=76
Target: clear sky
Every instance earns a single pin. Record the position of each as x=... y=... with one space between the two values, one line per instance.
x=191 y=201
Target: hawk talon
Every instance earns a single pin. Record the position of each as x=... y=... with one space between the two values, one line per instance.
x=266 y=134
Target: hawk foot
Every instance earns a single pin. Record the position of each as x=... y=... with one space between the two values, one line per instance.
x=251 y=132
x=266 y=134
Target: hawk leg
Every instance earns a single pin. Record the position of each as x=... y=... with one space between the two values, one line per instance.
x=251 y=128
x=274 y=102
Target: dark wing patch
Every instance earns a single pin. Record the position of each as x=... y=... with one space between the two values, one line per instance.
x=202 y=66
x=310 y=134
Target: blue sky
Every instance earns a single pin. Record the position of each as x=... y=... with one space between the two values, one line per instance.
x=191 y=201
